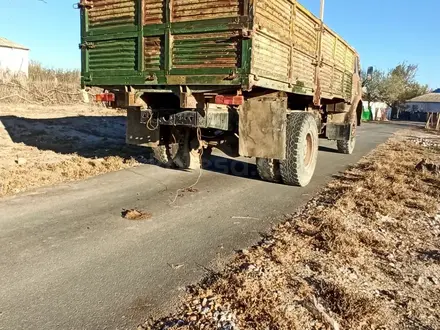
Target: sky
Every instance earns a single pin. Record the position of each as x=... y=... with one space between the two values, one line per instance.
x=384 y=32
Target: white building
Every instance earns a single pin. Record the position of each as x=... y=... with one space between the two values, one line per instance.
x=379 y=110
x=14 y=58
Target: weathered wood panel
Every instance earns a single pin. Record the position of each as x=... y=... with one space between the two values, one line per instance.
x=107 y=13
x=120 y=54
x=272 y=17
x=206 y=50
x=154 y=54
x=270 y=59
x=154 y=12
x=196 y=10
x=285 y=48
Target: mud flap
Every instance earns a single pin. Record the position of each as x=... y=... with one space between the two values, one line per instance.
x=262 y=127
x=339 y=132
x=138 y=133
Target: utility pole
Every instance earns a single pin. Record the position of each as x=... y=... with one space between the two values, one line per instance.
x=321 y=15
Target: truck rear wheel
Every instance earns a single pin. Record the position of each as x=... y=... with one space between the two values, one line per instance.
x=302 y=149
x=183 y=152
x=347 y=147
x=269 y=169
x=166 y=154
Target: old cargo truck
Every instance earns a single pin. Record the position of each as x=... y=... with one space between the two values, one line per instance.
x=258 y=78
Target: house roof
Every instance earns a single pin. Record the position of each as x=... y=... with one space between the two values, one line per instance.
x=427 y=98
x=10 y=44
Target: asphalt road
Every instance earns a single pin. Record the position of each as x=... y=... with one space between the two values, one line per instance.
x=69 y=261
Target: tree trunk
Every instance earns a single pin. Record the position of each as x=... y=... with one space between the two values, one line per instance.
x=369 y=107
x=394 y=112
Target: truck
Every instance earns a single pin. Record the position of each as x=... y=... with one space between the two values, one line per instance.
x=262 y=79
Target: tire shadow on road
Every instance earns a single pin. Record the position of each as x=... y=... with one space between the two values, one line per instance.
x=233 y=167
x=327 y=149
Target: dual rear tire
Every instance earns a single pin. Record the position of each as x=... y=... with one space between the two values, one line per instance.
x=180 y=149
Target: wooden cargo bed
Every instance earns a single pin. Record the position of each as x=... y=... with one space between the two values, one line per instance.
x=242 y=43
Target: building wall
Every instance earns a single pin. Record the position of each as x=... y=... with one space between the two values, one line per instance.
x=423 y=107
x=14 y=60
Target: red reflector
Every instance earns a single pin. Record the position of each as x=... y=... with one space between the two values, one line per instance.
x=229 y=100
x=105 y=97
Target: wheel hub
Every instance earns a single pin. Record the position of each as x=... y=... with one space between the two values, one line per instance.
x=308 y=150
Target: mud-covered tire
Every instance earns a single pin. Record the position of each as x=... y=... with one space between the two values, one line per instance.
x=269 y=169
x=165 y=155
x=302 y=149
x=346 y=147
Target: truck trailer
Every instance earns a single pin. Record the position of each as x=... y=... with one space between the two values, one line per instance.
x=254 y=78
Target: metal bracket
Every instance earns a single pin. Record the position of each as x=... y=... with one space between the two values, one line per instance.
x=87 y=45
x=246 y=33
x=320 y=63
x=190 y=100
x=231 y=76
x=339 y=132
x=83 y=4
x=151 y=77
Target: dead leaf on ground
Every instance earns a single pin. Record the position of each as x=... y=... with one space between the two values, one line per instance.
x=190 y=189
x=176 y=266
x=134 y=214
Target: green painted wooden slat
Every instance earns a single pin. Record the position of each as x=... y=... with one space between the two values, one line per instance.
x=115 y=72
x=111 y=30
x=201 y=56
x=207 y=71
x=154 y=30
x=112 y=36
x=106 y=55
x=140 y=37
x=210 y=25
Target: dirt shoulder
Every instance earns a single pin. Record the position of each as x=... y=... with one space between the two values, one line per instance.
x=364 y=254
x=45 y=145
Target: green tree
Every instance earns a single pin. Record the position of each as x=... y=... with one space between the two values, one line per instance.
x=373 y=88
x=395 y=87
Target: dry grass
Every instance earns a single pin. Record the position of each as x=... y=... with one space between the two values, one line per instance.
x=18 y=179
x=364 y=254
x=42 y=86
x=45 y=145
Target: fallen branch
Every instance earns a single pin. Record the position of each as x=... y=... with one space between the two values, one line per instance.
x=317 y=309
